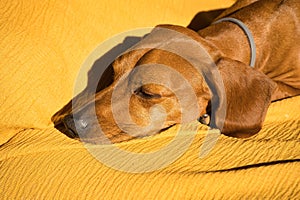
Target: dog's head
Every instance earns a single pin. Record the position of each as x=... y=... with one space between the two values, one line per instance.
x=166 y=80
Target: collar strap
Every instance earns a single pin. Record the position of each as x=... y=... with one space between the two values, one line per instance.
x=248 y=34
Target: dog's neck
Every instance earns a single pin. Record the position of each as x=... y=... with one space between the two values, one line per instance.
x=247 y=32
x=229 y=41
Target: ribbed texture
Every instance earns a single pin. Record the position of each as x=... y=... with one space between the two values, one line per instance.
x=42 y=46
x=44 y=164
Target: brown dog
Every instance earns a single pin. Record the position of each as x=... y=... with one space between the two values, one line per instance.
x=139 y=96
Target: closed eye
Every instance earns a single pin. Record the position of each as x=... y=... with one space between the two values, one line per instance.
x=141 y=92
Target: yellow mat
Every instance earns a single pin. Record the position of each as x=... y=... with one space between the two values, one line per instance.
x=42 y=46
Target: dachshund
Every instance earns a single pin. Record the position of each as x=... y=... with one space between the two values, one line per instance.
x=252 y=60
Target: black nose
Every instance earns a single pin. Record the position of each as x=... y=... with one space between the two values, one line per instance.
x=70 y=126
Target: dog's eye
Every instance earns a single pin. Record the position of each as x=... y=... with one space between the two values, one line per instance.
x=146 y=94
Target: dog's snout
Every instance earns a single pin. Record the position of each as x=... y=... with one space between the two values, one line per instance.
x=73 y=125
x=69 y=124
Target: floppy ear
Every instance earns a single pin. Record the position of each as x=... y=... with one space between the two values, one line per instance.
x=248 y=96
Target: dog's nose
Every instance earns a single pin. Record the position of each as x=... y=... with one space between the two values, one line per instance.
x=70 y=126
x=73 y=125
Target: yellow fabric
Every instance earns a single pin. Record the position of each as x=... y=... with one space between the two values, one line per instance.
x=42 y=46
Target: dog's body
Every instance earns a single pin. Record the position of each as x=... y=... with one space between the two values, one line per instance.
x=249 y=91
x=275 y=27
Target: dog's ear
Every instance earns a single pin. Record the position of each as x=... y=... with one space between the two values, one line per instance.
x=247 y=98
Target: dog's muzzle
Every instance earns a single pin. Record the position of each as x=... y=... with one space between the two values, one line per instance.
x=72 y=125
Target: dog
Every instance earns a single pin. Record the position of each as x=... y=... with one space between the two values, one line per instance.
x=128 y=104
